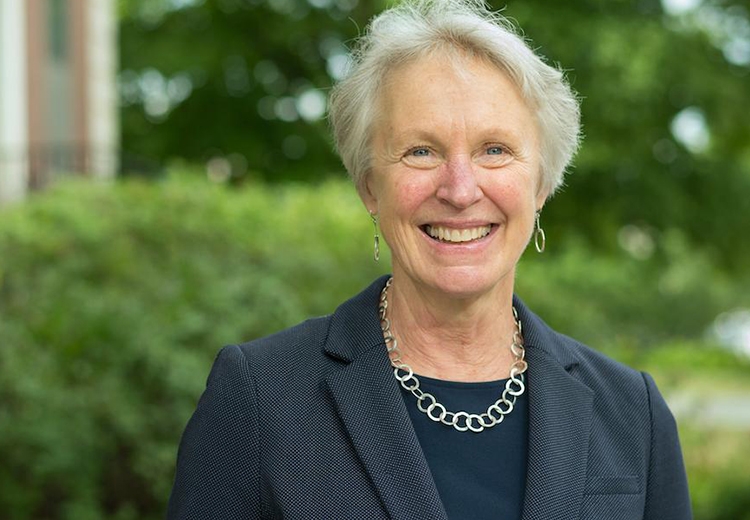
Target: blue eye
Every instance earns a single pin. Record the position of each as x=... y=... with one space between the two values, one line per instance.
x=495 y=150
x=420 y=152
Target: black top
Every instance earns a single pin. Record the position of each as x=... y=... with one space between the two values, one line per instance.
x=478 y=475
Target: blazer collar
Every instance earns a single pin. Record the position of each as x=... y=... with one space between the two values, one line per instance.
x=369 y=402
x=355 y=326
x=538 y=335
x=560 y=415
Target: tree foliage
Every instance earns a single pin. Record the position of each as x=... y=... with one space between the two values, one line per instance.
x=665 y=94
x=249 y=67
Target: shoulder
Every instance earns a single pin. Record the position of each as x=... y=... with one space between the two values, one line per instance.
x=621 y=393
x=624 y=399
x=317 y=344
x=294 y=345
x=600 y=371
x=590 y=366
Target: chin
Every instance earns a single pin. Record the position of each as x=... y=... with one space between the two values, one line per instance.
x=469 y=282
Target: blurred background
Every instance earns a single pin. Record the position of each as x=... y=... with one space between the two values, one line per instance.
x=168 y=186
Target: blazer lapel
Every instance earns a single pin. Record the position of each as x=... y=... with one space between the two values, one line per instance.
x=560 y=414
x=369 y=402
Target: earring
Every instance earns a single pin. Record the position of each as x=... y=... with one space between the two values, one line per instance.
x=540 y=239
x=376 y=251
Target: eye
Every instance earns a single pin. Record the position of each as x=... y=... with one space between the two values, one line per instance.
x=492 y=155
x=421 y=157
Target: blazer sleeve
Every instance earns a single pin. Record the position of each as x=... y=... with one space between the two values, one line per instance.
x=667 y=496
x=218 y=462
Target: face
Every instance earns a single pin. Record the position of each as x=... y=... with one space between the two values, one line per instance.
x=455 y=174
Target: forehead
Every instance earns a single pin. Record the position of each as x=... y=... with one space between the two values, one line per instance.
x=450 y=88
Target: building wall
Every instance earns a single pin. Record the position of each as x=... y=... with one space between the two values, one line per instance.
x=58 y=66
x=42 y=78
x=102 y=94
x=13 y=102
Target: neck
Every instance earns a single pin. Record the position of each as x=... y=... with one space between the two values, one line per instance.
x=455 y=339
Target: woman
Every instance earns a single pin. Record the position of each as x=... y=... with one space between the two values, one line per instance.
x=435 y=393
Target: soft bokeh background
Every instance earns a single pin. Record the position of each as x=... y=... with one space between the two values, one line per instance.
x=231 y=218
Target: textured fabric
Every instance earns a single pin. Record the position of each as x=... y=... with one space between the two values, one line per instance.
x=478 y=476
x=310 y=424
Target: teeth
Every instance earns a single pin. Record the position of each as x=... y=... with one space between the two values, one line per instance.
x=457 y=235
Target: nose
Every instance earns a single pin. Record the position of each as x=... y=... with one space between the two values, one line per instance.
x=458 y=183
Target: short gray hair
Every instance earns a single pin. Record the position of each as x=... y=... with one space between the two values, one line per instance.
x=415 y=28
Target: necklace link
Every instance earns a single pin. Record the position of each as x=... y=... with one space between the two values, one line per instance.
x=428 y=404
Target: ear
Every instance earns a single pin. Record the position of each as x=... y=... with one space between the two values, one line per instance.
x=541 y=198
x=367 y=193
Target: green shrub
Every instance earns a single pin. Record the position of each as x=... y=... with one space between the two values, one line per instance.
x=610 y=299
x=113 y=302
x=115 y=299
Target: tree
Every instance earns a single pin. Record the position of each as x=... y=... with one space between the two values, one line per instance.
x=667 y=144
x=240 y=80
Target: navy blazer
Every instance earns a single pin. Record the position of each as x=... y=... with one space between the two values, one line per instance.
x=310 y=424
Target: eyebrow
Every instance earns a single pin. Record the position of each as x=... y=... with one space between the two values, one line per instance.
x=489 y=134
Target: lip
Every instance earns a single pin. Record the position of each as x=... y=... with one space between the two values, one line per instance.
x=458 y=224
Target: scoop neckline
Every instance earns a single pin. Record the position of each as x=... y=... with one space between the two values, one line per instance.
x=467 y=385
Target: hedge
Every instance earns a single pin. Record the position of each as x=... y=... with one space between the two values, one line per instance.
x=114 y=299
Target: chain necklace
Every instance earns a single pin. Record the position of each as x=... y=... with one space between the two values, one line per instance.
x=429 y=405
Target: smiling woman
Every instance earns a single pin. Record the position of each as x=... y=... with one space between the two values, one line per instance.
x=435 y=393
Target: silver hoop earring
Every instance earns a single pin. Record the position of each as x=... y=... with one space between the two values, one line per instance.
x=540 y=239
x=376 y=251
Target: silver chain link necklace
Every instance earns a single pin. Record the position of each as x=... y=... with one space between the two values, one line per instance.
x=428 y=404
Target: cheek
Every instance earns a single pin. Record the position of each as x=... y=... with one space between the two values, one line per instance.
x=511 y=195
x=408 y=193
x=516 y=200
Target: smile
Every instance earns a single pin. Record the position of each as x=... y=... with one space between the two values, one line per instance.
x=453 y=235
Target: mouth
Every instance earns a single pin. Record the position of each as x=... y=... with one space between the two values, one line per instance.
x=456 y=236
